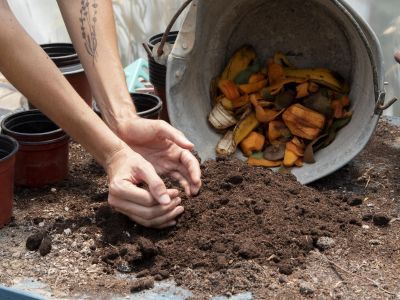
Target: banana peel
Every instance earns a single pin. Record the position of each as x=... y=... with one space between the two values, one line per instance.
x=226 y=146
x=240 y=61
x=322 y=76
x=245 y=126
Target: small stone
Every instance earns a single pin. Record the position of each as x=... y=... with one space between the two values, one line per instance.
x=164 y=274
x=325 y=243
x=41 y=224
x=367 y=217
x=158 y=277
x=142 y=284
x=143 y=273
x=306 y=288
x=66 y=208
x=67 y=231
x=258 y=210
x=286 y=269
x=16 y=255
x=282 y=279
x=375 y=242
x=235 y=180
x=45 y=246
x=354 y=201
x=219 y=247
x=248 y=250
x=221 y=262
x=366 y=227
x=53 y=190
x=273 y=287
x=147 y=247
x=34 y=240
x=381 y=220
x=124 y=268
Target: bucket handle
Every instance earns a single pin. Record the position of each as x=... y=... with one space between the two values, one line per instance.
x=160 y=50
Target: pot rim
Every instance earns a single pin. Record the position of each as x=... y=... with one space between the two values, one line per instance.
x=47 y=142
x=4 y=129
x=151 y=110
x=15 y=147
x=159 y=36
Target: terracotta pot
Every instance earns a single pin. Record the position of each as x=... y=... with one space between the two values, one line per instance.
x=147 y=106
x=43 y=155
x=8 y=150
x=158 y=72
x=66 y=59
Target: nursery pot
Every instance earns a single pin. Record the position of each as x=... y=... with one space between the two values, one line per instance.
x=66 y=59
x=158 y=72
x=314 y=33
x=43 y=154
x=147 y=106
x=8 y=150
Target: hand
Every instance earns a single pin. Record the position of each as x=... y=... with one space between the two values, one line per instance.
x=166 y=148
x=157 y=207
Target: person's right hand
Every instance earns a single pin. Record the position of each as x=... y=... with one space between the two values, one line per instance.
x=157 y=208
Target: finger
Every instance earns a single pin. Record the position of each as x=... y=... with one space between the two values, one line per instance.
x=166 y=225
x=124 y=189
x=182 y=181
x=133 y=210
x=173 y=134
x=192 y=166
x=159 y=221
x=156 y=185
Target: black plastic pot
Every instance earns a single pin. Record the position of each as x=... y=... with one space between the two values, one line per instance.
x=43 y=154
x=147 y=106
x=66 y=59
x=8 y=150
x=158 y=72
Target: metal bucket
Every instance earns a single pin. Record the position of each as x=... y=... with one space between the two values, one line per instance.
x=314 y=33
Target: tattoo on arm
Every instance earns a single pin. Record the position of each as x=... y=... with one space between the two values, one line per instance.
x=88 y=19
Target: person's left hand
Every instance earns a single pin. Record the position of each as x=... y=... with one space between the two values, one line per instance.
x=166 y=148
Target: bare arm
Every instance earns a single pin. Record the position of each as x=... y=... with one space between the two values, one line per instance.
x=29 y=69
x=92 y=29
x=91 y=26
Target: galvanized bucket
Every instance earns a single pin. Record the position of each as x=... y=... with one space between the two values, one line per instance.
x=313 y=33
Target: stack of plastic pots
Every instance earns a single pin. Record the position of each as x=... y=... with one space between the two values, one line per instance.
x=42 y=158
x=147 y=106
x=8 y=150
x=158 y=72
x=66 y=59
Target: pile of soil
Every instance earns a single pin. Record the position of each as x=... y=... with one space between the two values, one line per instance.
x=241 y=213
x=249 y=229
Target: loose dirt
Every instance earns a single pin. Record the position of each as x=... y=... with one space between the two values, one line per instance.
x=248 y=230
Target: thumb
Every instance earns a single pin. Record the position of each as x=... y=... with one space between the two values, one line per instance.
x=157 y=187
x=176 y=136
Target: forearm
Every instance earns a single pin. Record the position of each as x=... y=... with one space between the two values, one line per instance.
x=91 y=26
x=30 y=70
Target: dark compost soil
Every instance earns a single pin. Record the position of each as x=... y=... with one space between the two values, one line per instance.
x=249 y=229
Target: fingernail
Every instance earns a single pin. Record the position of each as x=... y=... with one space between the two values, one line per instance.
x=180 y=210
x=165 y=199
x=173 y=223
x=178 y=200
